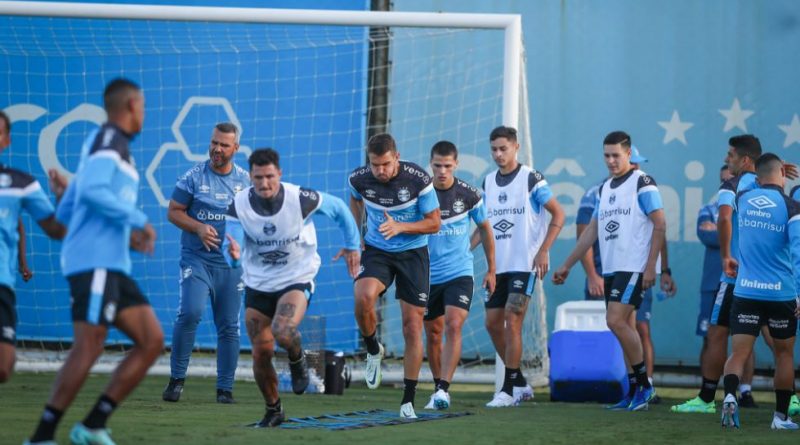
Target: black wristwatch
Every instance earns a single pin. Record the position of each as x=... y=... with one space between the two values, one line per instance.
x=667 y=271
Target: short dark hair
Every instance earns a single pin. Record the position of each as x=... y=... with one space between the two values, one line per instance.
x=4 y=117
x=444 y=148
x=381 y=144
x=502 y=131
x=116 y=93
x=768 y=163
x=618 y=137
x=227 y=128
x=746 y=145
x=264 y=156
x=724 y=167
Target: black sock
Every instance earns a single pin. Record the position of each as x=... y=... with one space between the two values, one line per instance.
x=520 y=381
x=436 y=382
x=47 y=424
x=640 y=371
x=293 y=360
x=730 y=382
x=372 y=344
x=508 y=381
x=708 y=390
x=444 y=385
x=274 y=406
x=631 y=385
x=782 y=397
x=409 y=391
x=99 y=414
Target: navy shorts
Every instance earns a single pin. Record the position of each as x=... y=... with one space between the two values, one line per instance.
x=510 y=283
x=624 y=287
x=409 y=269
x=100 y=294
x=721 y=311
x=8 y=315
x=456 y=292
x=748 y=315
x=267 y=302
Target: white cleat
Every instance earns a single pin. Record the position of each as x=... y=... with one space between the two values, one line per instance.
x=502 y=400
x=441 y=399
x=780 y=424
x=430 y=404
x=523 y=393
x=372 y=372
x=407 y=411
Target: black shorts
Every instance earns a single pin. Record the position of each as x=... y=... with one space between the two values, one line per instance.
x=748 y=315
x=8 y=315
x=267 y=302
x=721 y=311
x=99 y=295
x=624 y=287
x=409 y=269
x=456 y=292
x=510 y=283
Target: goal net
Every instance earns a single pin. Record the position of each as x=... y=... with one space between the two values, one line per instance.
x=311 y=91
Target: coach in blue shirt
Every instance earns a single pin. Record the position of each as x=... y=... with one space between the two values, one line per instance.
x=198 y=207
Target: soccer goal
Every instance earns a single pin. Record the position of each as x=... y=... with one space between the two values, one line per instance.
x=312 y=84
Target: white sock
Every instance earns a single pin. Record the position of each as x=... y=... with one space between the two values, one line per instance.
x=745 y=388
x=650 y=379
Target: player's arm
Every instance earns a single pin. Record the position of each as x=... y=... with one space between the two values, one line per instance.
x=707 y=229
x=335 y=209
x=95 y=190
x=176 y=214
x=586 y=240
x=595 y=281
x=650 y=203
x=793 y=230
x=726 y=200
x=357 y=210
x=38 y=205
x=21 y=254
x=484 y=229
x=431 y=221
x=540 y=195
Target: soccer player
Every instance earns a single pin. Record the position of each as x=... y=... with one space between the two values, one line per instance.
x=451 y=268
x=629 y=220
x=269 y=229
x=198 y=207
x=742 y=153
x=517 y=201
x=402 y=209
x=766 y=285
x=20 y=191
x=100 y=208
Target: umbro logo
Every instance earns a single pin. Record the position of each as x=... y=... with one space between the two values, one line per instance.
x=204 y=188
x=614 y=292
x=8 y=332
x=517 y=284
x=503 y=226
x=423 y=296
x=761 y=202
x=273 y=255
x=612 y=226
x=463 y=299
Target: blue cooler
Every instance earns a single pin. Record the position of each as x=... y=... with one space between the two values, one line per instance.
x=586 y=366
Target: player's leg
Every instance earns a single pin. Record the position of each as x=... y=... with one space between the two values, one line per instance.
x=745 y=387
x=7 y=359
x=782 y=326
x=194 y=288
x=290 y=311
x=434 y=332
x=375 y=276
x=495 y=308
x=259 y=330
x=8 y=326
x=458 y=298
x=643 y=317
x=226 y=302
x=746 y=318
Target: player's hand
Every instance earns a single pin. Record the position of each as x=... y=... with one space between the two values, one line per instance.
x=790 y=170
x=668 y=285
x=208 y=236
x=596 y=286
x=234 y=250
x=57 y=183
x=560 y=275
x=541 y=263
x=26 y=273
x=144 y=240
x=649 y=278
x=489 y=282
x=730 y=267
x=353 y=260
x=390 y=228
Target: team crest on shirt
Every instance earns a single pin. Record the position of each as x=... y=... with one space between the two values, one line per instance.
x=204 y=188
x=502 y=198
x=237 y=188
x=110 y=311
x=403 y=194
x=269 y=229
x=612 y=198
x=5 y=180
x=458 y=206
x=186 y=273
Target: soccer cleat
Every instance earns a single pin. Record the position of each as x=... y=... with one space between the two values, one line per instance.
x=407 y=411
x=622 y=405
x=656 y=400
x=271 y=419
x=794 y=406
x=730 y=412
x=523 y=393
x=695 y=405
x=372 y=372
x=299 y=371
x=46 y=442
x=172 y=393
x=224 y=396
x=780 y=424
x=641 y=399
x=441 y=399
x=502 y=400
x=80 y=435
x=746 y=400
x=430 y=404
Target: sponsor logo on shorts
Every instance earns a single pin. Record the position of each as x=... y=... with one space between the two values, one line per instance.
x=110 y=311
x=8 y=332
x=463 y=299
x=747 y=318
x=517 y=284
x=778 y=324
x=423 y=296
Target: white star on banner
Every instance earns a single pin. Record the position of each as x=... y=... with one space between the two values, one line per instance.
x=792 y=132
x=735 y=117
x=675 y=128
